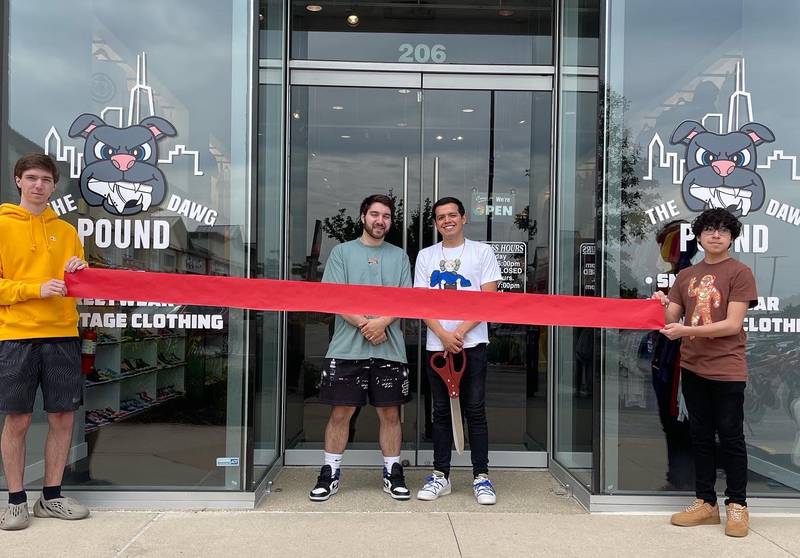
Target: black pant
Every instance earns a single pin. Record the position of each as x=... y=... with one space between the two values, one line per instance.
x=473 y=408
x=717 y=407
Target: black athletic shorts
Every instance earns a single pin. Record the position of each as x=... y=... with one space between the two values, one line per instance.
x=53 y=363
x=348 y=382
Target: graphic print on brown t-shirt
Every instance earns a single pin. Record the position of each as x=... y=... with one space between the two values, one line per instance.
x=704 y=291
x=706 y=294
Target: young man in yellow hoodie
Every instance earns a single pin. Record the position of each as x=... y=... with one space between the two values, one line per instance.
x=39 y=343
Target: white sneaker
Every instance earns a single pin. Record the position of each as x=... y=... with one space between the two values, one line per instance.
x=484 y=490
x=435 y=485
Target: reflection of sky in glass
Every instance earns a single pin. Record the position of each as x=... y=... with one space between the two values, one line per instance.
x=678 y=62
x=690 y=71
x=356 y=139
x=58 y=73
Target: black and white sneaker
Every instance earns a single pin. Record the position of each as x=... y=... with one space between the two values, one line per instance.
x=394 y=483
x=327 y=485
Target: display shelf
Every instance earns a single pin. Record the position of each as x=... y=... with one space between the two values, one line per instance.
x=154 y=362
x=123 y=377
x=126 y=416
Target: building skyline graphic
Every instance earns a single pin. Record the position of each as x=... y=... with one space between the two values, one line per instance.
x=740 y=102
x=141 y=93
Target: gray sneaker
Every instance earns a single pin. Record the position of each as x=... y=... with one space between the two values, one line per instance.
x=60 y=508
x=15 y=517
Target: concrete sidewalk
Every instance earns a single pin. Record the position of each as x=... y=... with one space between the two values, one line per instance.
x=529 y=520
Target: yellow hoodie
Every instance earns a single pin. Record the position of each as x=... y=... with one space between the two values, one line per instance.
x=33 y=250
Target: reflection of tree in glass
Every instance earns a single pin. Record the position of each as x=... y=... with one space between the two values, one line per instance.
x=523 y=222
x=343 y=227
x=625 y=165
x=627 y=196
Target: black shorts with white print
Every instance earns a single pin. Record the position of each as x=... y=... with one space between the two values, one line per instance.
x=350 y=382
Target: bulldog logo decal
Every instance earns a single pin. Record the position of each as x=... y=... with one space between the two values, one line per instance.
x=721 y=168
x=120 y=164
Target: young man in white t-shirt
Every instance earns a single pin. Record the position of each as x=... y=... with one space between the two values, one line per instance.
x=458 y=263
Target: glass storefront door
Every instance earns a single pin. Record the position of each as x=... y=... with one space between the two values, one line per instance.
x=418 y=137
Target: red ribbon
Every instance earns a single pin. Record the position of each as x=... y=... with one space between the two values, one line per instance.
x=302 y=296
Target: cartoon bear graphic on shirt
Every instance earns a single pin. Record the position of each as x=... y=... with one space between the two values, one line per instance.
x=447 y=276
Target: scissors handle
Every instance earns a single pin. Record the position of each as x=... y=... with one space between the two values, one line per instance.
x=447 y=372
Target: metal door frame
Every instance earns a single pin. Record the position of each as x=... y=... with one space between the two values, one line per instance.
x=423 y=77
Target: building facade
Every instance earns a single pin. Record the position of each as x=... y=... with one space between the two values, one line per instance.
x=556 y=122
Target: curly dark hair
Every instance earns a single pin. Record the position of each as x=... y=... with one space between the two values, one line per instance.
x=717 y=218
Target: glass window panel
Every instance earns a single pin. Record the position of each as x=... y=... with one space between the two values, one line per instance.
x=267 y=370
x=576 y=364
x=346 y=144
x=491 y=150
x=438 y=32
x=723 y=71
x=163 y=405
x=580 y=40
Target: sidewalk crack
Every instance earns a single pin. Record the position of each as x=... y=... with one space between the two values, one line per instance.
x=453 y=529
x=766 y=538
x=141 y=531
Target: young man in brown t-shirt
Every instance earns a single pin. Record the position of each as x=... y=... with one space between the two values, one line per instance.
x=713 y=297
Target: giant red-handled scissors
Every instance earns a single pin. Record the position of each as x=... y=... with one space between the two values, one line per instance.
x=444 y=365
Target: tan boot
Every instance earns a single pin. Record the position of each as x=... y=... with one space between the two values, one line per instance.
x=738 y=523
x=699 y=513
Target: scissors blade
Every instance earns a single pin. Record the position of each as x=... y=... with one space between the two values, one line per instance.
x=458 y=426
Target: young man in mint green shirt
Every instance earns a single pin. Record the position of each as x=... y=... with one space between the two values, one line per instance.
x=366 y=358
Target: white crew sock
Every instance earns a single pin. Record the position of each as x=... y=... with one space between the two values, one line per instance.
x=389 y=461
x=334 y=460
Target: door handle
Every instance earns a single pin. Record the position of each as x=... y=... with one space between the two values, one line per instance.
x=435 y=191
x=405 y=204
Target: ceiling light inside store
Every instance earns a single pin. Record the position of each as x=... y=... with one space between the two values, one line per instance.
x=459 y=138
x=505 y=13
x=296 y=115
x=314 y=8
x=522 y=121
x=345 y=137
x=439 y=138
x=337 y=107
x=402 y=124
x=468 y=110
x=403 y=91
x=353 y=20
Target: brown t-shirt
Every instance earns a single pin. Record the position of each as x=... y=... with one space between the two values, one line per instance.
x=704 y=291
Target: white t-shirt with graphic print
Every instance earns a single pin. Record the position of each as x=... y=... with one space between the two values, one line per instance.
x=478 y=266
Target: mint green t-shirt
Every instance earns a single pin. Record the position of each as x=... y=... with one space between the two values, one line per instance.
x=354 y=263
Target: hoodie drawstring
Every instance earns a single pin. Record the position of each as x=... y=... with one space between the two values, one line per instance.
x=44 y=231
x=30 y=230
x=33 y=235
